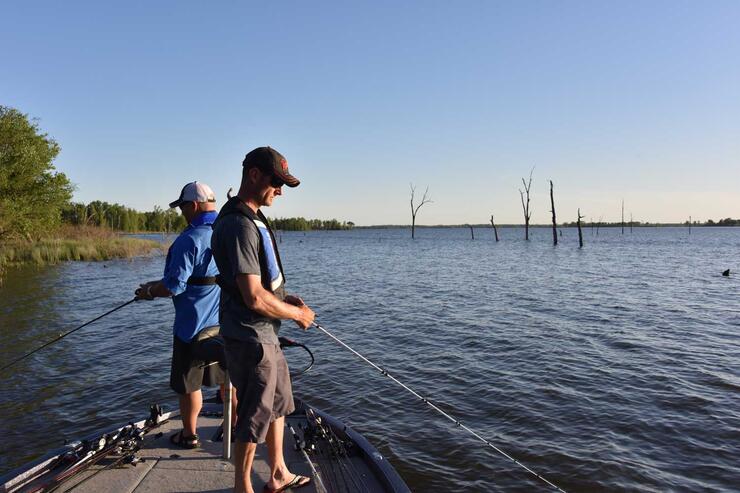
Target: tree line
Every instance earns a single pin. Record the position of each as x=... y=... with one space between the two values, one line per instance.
x=35 y=198
x=122 y=218
x=604 y=224
x=303 y=224
x=728 y=221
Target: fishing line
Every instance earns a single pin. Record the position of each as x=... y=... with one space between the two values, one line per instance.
x=440 y=411
x=65 y=335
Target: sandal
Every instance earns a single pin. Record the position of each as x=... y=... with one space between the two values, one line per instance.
x=298 y=481
x=185 y=442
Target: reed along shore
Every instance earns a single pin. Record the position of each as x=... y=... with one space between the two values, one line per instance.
x=74 y=243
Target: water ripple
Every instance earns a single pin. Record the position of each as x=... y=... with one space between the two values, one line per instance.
x=612 y=368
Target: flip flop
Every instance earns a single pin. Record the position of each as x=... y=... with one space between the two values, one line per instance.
x=182 y=441
x=298 y=481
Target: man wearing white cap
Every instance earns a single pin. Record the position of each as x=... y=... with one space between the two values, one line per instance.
x=190 y=280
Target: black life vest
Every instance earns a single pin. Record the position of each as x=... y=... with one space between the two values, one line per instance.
x=272 y=279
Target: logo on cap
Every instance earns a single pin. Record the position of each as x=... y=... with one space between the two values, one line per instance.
x=284 y=165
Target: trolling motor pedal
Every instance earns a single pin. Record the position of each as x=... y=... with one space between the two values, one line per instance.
x=155 y=412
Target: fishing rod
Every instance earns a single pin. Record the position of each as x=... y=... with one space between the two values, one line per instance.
x=124 y=442
x=62 y=336
x=436 y=408
x=301 y=445
x=337 y=454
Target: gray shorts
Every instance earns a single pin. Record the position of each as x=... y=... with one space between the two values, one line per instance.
x=263 y=391
x=190 y=363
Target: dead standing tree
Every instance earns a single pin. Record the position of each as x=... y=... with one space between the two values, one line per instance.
x=554 y=222
x=580 y=234
x=525 y=206
x=495 y=231
x=415 y=209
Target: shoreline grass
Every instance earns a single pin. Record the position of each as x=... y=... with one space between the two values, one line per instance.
x=74 y=243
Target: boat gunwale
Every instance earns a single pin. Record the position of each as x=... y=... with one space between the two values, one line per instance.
x=10 y=480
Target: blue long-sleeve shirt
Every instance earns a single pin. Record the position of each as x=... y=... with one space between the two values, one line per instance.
x=196 y=307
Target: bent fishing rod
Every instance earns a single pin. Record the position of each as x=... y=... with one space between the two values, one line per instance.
x=62 y=336
x=436 y=408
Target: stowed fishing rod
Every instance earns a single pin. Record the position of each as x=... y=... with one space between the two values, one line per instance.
x=65 y=335
x=436 y=408
x=301 y=445
x=345 y=475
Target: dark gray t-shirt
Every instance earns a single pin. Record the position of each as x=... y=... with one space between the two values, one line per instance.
x=236 y=245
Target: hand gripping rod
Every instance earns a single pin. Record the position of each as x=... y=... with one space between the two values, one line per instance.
x=440 y=411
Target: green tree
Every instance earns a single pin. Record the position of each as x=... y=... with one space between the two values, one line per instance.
x=174 y=221
x=75 y=213
x=32 y=194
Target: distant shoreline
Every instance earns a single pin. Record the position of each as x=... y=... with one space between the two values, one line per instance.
x=549 y=226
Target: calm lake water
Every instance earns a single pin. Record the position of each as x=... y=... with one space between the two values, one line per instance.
x=611 y=368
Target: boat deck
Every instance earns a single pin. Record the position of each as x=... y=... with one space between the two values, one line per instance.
x=342 y=460
x=167 y=468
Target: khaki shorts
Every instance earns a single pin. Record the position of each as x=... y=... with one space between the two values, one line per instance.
x=263 y=391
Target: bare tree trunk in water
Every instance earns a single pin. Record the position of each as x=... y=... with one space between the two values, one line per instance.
x=415 y=209
x=495 y=231
x=525 y=206
x=580 y=234
x=472 y=235
x=554 y=223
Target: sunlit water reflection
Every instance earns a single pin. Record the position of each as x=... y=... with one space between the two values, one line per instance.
x=610 y=368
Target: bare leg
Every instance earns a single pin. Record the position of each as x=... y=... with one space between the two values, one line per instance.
x=243 y=458
x=279 y=473
x=190 y=405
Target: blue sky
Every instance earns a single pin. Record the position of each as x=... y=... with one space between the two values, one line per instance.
x=611 y=100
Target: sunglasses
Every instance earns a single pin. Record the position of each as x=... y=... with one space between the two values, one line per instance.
x=275 y=181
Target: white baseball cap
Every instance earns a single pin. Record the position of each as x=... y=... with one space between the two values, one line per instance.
x=194 y=192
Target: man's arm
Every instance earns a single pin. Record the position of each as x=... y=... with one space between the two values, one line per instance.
x=151 y=290
x=179 y=267
x=262 y=301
